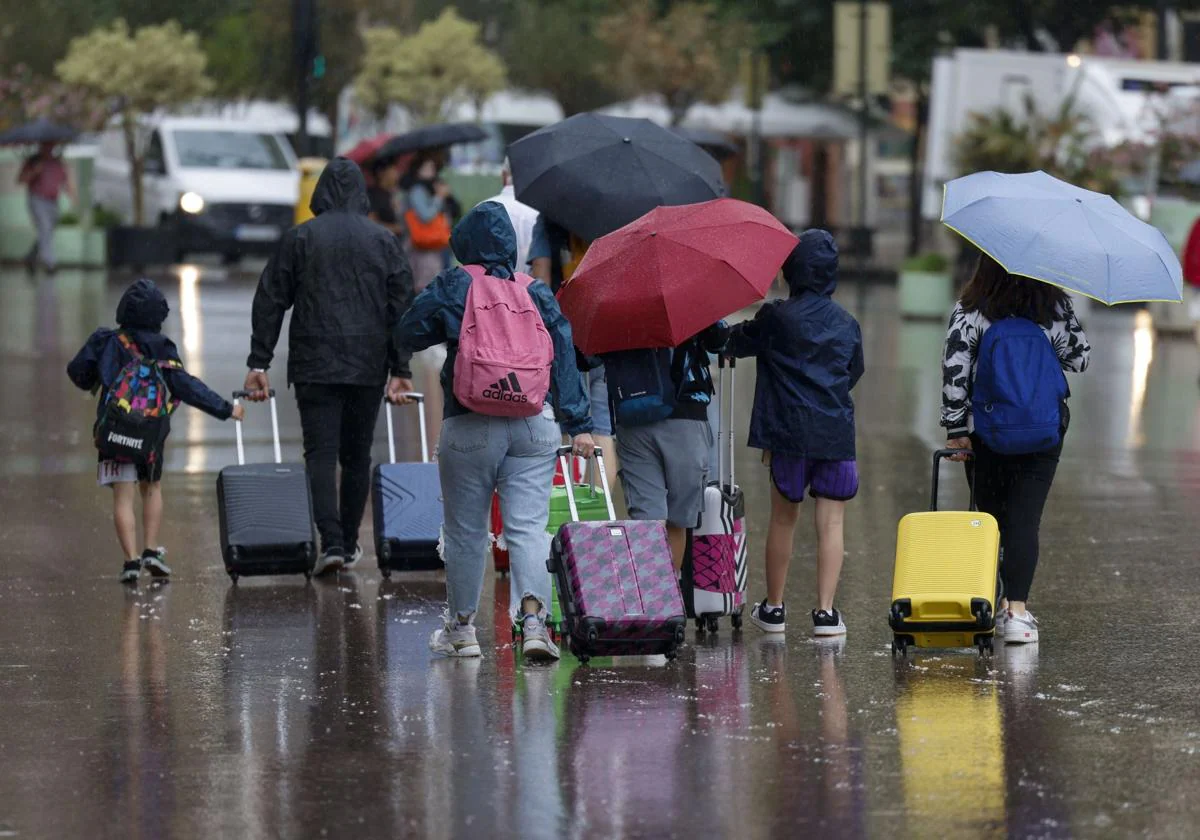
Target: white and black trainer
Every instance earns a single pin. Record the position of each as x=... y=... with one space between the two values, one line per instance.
x=828 y=623
x=769 y=619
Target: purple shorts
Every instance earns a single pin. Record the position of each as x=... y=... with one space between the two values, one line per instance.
x=834 y=480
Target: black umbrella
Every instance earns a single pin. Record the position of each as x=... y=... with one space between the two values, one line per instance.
x=593 y=173
x=38 y=131
x=431 y=137
x=713 y=142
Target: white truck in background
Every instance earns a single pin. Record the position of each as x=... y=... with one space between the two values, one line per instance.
x=1125 y=100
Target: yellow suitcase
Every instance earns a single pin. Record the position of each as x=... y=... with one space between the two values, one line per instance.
x=945 y=581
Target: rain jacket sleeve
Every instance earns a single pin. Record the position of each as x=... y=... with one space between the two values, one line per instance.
x=275 y=295
x=574 y=406
x=752 y=337
x=400 y=299
x=191 y=391
x=424 y=322
x=858 y=363
x=84 y=369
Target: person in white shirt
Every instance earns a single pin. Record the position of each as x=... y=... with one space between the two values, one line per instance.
x=522 y=216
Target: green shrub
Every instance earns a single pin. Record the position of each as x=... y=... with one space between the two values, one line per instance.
x=931 y=261
x=102 y=217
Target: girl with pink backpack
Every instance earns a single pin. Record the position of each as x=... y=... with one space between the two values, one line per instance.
x=509 y=380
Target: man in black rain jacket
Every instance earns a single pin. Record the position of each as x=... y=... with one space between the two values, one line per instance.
x=348 y=282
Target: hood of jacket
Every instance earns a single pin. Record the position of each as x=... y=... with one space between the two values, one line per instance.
x=142 y=307
x=341 y=187
x=485 y=237
x=813 y=264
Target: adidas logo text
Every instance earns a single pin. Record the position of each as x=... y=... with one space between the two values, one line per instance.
x=507 y=389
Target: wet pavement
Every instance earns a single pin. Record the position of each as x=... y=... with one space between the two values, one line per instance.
x=279 y=709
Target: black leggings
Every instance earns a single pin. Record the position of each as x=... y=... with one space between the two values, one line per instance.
x=339 y=424
x=1013 y=488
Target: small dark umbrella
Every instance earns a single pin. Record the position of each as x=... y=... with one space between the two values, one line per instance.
x=38 y=131
x=594 y=173
x=432 y=137
x=713 y=142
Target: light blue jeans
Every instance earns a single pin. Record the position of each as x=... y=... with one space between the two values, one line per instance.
x=476 y=455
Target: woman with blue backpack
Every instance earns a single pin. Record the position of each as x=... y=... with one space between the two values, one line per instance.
x=1004 y=398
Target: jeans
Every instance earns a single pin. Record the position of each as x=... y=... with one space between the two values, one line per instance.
x=1014 y=488
x=478 y=454
x=44 y=214
x=339 y=424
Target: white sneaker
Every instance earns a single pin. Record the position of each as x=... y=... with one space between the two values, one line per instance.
x=537 y=645
x=455 y=640
x=1020 y=629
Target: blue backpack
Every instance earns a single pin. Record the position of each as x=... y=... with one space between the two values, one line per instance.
x=641 y=387
x=1019 y=392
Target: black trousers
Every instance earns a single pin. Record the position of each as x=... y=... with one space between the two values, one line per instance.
x=339 y=424
x=1014 y=488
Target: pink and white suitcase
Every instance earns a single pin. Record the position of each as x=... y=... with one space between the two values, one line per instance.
x=714 y=565
x=616 y=583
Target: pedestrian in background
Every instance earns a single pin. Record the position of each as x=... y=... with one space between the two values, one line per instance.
x=45 y=178
x=383 y=179
x=348 y=282
x=809 y=357
x=480 y=454
x=1012 y=488
x=427 y=220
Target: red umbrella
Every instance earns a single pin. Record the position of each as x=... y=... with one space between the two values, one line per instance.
x=672 y=273
x=367 y=149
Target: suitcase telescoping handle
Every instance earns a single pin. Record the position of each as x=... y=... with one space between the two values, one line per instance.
x=938 y=457
x=238 y=396
x=564 y=455
x=419 y=399
x=725 y=431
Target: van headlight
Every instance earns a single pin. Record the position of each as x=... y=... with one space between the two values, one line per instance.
x=191 y=202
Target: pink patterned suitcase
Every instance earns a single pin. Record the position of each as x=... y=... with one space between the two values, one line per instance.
x=714 y=567
x=616 y=584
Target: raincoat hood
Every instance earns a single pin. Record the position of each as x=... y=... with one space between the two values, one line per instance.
x=813 y=264
x=142 y=307
x=341 y=187
x=485 y=237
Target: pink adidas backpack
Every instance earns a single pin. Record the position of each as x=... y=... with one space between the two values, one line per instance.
x=504 y=350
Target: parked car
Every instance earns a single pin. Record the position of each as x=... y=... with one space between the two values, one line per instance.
x=221 y=186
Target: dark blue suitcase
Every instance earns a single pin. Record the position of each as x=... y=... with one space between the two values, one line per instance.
x=407 y=504
x=265 y=511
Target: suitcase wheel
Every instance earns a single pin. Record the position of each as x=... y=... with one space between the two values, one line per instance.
x=985 y=645
x=672 y=654
x=233 y=576
x=713 y=624
x=900 y=646
x=735 y=621
x=387 y=573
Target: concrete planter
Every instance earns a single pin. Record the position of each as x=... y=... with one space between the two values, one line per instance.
x=1178 y=320
x=926 y=295
x=76 y=246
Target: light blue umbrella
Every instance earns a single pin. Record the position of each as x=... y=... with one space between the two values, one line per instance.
x=1037 y=226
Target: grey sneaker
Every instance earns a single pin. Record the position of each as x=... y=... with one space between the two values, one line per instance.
x=152 y=561
x=1020 y=629
x=329 y=562
x=455 y=640
x=131 y=571
x=536 y=644
x=353 y=557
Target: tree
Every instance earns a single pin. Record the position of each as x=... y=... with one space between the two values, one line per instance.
x=553 y=46
x=688 y=55
x=152 y=68
x=428 y=72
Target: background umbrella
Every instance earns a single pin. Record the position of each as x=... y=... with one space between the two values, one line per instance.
x=1038 y=226
x=38 y=131
x=593 y=173
x=432 y=137
x=713 y=142
x=673 y=273
x=367 y=149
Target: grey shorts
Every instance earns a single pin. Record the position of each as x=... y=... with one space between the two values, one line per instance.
x=664 y=469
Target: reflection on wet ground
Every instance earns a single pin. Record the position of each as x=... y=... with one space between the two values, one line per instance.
x=278 y=709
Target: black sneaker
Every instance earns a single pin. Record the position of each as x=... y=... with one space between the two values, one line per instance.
x=131 y=571
x=153 y=562
x=828 y=623
x=769 y=620
x=330 y=562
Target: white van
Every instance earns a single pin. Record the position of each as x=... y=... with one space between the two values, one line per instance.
x=222 y=186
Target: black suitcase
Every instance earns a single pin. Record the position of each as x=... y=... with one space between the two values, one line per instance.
x=266 y=513
x=407 y=507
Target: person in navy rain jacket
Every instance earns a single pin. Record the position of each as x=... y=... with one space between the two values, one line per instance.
x=809 y=355
x=97 y=367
